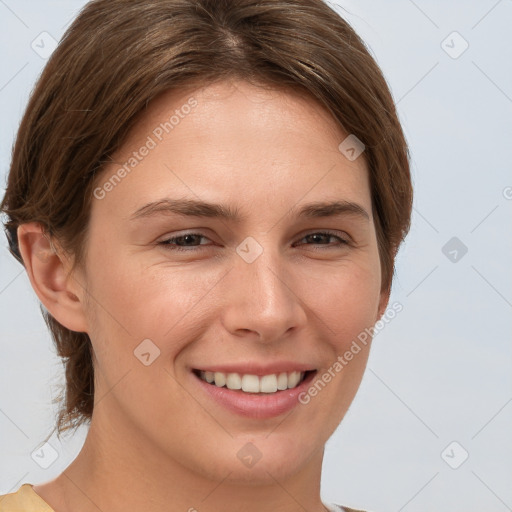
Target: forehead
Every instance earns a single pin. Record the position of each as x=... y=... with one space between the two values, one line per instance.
x=236 y=140
x=237 y=107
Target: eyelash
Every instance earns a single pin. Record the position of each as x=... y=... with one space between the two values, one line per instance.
x=167 y=243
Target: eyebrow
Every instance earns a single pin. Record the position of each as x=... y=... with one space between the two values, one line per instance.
x=195 y=208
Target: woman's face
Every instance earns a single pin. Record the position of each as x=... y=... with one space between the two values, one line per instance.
x=250 y=290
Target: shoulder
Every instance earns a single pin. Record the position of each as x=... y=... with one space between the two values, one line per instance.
x=24 y=499
x=339 y=508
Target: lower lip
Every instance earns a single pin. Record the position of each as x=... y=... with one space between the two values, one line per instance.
x=256 y=405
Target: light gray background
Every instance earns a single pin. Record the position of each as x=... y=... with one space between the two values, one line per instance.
x=441 y=370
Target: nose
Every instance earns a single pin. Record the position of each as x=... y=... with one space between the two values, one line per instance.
x=262 y=300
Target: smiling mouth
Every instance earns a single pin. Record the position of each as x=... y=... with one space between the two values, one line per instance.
x=248 y=383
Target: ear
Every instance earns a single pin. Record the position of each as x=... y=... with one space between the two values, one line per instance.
x=48 y=269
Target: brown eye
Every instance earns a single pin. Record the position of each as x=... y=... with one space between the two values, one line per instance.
x=181 y=242
x=323 y=237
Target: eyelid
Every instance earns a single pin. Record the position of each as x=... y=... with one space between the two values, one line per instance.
x=342 y=235
x=168 y=238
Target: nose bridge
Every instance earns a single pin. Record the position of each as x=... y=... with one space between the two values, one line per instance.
x=262 y=298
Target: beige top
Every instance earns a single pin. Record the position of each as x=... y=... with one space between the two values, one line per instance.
x=25 y=499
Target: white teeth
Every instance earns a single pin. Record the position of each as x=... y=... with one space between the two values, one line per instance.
x=220 y=379
x=282 y=381
x=293 y=379
x=268 y=384
x=252 y=383
x=234 y=381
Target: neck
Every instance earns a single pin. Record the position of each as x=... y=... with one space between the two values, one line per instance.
x=118 y=470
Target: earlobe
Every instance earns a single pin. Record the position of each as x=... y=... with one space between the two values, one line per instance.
x=48 y=269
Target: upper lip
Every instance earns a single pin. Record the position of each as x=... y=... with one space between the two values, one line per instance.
x=254 y=368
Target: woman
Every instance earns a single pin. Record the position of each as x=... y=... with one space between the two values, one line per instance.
x=208 y=197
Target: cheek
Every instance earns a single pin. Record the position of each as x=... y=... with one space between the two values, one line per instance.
x=347 y=308
x=132 y=302
x=348 y=299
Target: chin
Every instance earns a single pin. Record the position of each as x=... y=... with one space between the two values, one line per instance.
x=263 y=459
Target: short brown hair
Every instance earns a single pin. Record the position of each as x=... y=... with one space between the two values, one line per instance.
x=118 y=55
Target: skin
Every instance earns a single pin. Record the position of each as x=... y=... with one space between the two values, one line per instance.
x=153 y=433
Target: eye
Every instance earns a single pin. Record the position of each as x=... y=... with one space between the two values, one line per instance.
x=185 y=242
x=322 y=238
